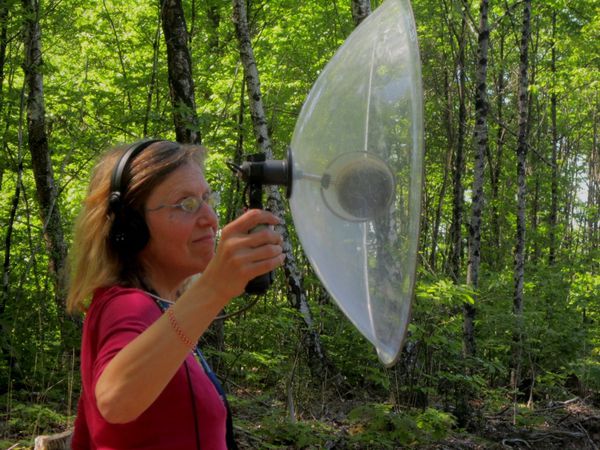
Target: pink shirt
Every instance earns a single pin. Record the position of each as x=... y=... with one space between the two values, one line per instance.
x=116 y=316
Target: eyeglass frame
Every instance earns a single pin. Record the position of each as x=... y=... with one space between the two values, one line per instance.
x=210 y=198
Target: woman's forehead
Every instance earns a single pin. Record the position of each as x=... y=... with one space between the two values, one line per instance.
x=188 y=178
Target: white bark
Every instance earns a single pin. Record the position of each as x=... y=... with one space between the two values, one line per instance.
x=295 y=289
x=480 y=139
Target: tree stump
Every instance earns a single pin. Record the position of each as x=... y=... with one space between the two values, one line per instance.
x=59 y=441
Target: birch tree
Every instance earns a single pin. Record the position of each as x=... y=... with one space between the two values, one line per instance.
x=295 y=289
x=480 y=140
x=553 y=219
x=3 y=44
x=593 y=200
x=360 y=10
x=519 y=253
x=495 y=161
x=454 y=259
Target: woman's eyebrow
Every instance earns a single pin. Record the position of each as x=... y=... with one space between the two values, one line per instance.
x=186 y=192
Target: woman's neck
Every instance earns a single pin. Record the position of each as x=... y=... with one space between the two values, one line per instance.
x=155 y=287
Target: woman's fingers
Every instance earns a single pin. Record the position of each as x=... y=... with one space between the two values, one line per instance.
x=265 y=265
x=248 y=221
x=246 y=250
x=263 y=235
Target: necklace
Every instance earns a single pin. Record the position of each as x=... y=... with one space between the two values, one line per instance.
x=160 y=299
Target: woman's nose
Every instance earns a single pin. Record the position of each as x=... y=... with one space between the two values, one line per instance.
x=207 y=216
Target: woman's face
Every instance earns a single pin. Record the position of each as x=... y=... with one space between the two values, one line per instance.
x=182 y=243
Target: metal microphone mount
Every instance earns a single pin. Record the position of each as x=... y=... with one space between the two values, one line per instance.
x=257 y=172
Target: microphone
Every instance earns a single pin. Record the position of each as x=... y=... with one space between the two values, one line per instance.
x=257 y=171
x=358 y=186
x=355 y=186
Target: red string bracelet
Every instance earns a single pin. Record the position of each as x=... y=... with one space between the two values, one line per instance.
x=182 y=337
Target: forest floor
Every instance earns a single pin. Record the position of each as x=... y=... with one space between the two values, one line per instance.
x=262 y=424
x=567 y=425
x=573 y=424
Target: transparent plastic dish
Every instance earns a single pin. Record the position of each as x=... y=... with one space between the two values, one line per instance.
x=357 y=153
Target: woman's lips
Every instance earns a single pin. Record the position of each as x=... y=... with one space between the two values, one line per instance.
x=208 y=237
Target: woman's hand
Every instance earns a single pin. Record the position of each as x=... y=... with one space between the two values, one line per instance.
x=243 y=254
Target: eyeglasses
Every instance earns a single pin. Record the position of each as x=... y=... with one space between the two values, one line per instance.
x=193 y=203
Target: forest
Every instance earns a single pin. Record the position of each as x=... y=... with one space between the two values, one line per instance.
x=503 y=344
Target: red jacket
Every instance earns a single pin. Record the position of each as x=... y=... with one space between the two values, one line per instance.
x=116 y=316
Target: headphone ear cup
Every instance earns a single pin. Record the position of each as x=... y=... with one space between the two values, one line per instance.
x=129 y=233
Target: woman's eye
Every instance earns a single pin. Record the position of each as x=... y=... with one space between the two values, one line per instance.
x=190 y=204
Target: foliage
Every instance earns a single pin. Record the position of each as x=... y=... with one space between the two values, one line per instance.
x=24 y=419
x=279 y=431
x=378 y=426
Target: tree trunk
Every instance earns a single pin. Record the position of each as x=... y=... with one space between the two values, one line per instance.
x=181 y=82
x=593 y=200
x=531 y=169
x=3 y=44
x=214 y=20
x=459 y=162
x=496 y=163
x=296 y=293
x=534 y=250
x=480 y=140
x=38 y=147
x=360 y=10
x=553 y=218
x=8 y=241
x=519 y=255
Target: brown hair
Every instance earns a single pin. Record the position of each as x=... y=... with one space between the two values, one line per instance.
x=93 y=262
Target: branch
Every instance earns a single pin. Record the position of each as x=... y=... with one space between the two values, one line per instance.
x=529 y=146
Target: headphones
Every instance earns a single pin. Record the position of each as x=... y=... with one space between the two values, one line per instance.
x=129 y=233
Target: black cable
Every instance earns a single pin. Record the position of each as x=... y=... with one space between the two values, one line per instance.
x=155 y=297
x=238 y=311
x=192 y=396
x=237 y=169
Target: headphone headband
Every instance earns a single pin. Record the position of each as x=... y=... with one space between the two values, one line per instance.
x=117 y=188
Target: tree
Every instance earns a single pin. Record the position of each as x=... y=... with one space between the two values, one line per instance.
x=296 y=293
x=495 y=160
x=181 y=81
x=360 y=10
x=38 y=146
x=480 y=140
x=3 y=43
x=456 y=245
x=519 y=254
x=593 y=200
x=553 y=217
x=442 y=113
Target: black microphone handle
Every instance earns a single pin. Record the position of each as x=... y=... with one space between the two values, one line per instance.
x=261 y=283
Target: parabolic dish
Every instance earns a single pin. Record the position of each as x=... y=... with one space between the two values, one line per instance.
x=357 y=175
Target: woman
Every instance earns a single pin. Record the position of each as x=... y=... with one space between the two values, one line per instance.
x=146 y=226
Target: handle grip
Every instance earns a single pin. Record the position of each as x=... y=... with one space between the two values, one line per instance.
x=260 y=284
